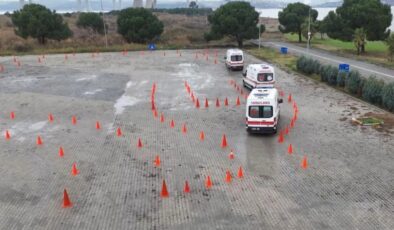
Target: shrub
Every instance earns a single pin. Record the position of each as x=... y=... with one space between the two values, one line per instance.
x=332 y=76
x=22 y=47
x=388 y=96
x=92 y=21
x=139 y=25
x=301 y=64
x=324 y=70
x=353 y=82
x=316 y=67
x=341 y=78
x=372 y=90
x=309 y=68
x=39 y=22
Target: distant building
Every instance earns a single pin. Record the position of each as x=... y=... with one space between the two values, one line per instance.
x=150 y=4
x=21 y=3
x=138 y=3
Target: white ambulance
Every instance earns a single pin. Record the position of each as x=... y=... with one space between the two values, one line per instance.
x=234 y=59
x=262 y=110
x=257 y=75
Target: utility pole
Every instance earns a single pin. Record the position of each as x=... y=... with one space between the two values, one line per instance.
x=309 y=32
x=259 y=33
x=105 y=27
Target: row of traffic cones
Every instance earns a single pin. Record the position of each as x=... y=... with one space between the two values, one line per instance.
x=208 y=183
x=239 y=90
x=197 y=102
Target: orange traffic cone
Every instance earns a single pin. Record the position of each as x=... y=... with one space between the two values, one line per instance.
x=184 y=129
x=66 y=200
x=224 y=141
x=226 y=102
x=172 y=124
x=12 y=115
x=240 y=172
x=217 y=102
x=74 y=170
x=155 y=113
x=289 y=98
x=290 y=149
x=238 y=101
x=187 y=187
x=304 y=163
x=139 y=145
x=193 y=98
x=206 y=103
x=208 y=182
x=231 y=155
x=197 y=103
x=74 y=120
x=161 y=118
x=164 y=191
x=157 y=161
x=39 y=141
x=119 y=132
x=202 y=135
x=281 y=138
x=228 y=176
x=50 y=117
x=287 y=130
x=98 y=126
x=7 y=135
x=61 y=152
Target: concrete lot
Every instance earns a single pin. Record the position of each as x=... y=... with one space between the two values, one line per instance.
x=349 y=183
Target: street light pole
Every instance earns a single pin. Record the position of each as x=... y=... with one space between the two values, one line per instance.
x=259 y=33
x=309 y=31
x=105 y=28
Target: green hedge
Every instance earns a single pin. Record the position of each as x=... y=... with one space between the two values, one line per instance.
x=388 y=96
x=341 y=79
x=371 y=89
x=354 y=82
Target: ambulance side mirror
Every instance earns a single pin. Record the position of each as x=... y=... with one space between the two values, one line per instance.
x=280 y=100
x=244 y=74
x=225 y=57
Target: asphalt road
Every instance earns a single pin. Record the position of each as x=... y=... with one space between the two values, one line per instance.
x=364 y=68
x=348 y=184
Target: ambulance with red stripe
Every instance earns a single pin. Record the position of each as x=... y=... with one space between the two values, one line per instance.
x=258 y=75
x=234 y=59
x=262 y=110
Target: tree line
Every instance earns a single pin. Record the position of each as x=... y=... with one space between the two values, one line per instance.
x=359 y=21
x=237 y=20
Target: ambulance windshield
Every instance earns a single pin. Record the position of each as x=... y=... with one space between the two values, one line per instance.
x=265 y=77
x=261 y=111
x=236 y=57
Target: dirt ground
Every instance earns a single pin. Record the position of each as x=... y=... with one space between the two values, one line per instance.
x=348 y=184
